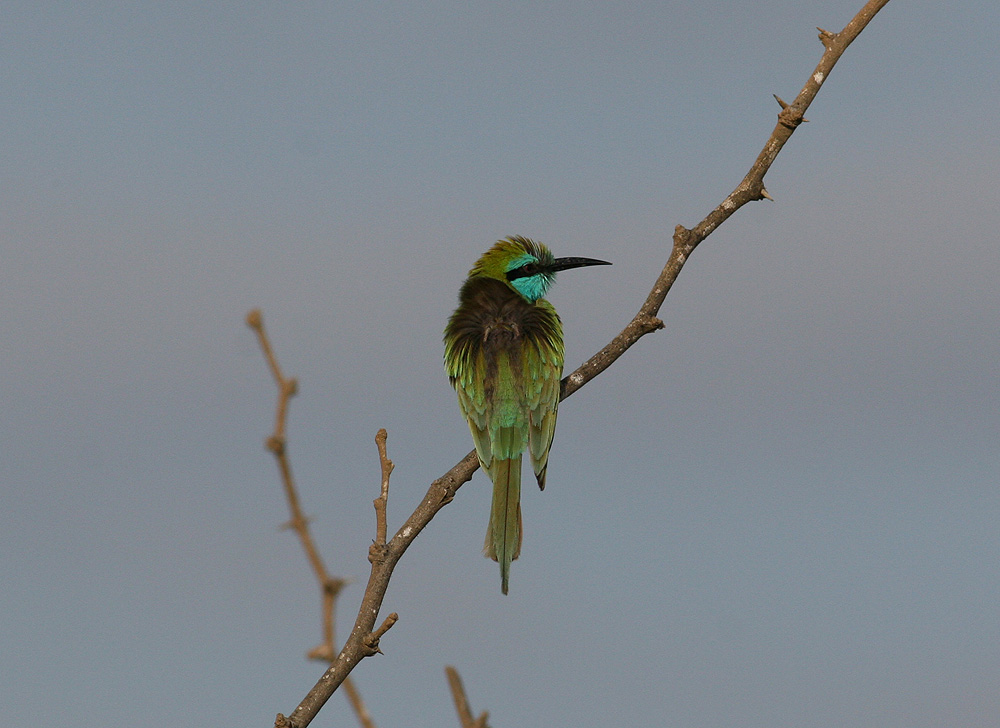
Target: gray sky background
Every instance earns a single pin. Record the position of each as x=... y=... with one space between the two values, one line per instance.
x=780 y=511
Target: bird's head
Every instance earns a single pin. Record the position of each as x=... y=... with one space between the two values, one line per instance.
x=526 y=266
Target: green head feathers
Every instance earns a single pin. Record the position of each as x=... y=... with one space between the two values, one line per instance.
x=526 y=266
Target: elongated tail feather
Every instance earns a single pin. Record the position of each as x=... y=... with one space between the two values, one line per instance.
x=503 y=537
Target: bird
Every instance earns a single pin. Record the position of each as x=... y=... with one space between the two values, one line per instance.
x=504 y=357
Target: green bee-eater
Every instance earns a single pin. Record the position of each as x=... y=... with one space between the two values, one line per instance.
x=504 y=356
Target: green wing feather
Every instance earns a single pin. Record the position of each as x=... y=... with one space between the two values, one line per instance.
x=543 y=364
x=499 y=427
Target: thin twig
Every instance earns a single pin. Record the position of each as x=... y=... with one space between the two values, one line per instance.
x=360 y=709
x=329 y=586
x=371 y=640
x=458 y=697
x=382 y=501
x=465 y=718
x=443 y=490
x=276 y=443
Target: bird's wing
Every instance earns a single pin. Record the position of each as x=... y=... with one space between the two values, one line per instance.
x=543 y=363
x=472 y=400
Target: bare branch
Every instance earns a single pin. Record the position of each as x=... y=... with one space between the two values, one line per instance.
x=750 y=188
x=276 y=443
x=685 y=240
x=330 y=586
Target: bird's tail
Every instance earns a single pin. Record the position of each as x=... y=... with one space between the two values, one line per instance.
x=503 y=538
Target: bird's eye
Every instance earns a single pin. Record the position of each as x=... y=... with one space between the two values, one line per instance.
x=525 y=271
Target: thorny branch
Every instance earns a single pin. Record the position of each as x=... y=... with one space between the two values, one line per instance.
x=685 y=240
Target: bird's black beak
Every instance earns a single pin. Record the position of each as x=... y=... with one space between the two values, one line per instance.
x=566 y=263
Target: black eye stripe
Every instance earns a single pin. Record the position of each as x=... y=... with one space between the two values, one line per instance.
x=525 y=271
